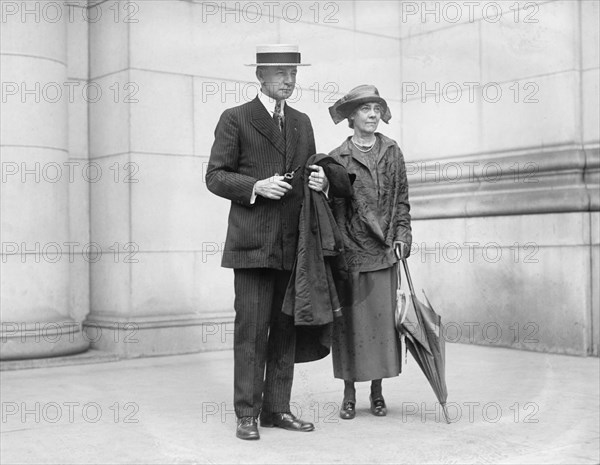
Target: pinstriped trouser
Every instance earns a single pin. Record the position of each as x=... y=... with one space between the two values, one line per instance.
x=263 y=335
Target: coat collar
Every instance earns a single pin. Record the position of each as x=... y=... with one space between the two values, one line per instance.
x=385 y=144
x=264 y=124
x=291 y=136
x=269 y=103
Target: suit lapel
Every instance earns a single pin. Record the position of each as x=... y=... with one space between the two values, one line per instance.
x=264 y=124
x=291 y=137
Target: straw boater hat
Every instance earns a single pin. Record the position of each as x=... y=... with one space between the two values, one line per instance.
x=277 y=55
x=345 y=106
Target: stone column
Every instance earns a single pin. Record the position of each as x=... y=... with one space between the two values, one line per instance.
x=35 y=281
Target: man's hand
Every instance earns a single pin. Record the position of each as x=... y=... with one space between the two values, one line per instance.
x=317 y=180
x=402 y=250
x=272 y=188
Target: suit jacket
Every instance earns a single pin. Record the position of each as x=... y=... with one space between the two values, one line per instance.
x=249 y=147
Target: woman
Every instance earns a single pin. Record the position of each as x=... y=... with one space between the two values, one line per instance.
x=375 y=226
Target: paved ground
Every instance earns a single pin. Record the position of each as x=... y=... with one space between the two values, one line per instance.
x=508 y=407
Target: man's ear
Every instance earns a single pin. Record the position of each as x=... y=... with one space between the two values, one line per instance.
x=259 y=75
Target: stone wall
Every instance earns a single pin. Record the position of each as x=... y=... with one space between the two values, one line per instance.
x=494 y=106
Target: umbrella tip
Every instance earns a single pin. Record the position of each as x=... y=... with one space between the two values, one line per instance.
x=446 y=416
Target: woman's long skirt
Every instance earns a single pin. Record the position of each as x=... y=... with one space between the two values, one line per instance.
x=366 y=345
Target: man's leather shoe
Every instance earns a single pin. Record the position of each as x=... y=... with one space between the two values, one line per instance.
x=378 y=407
x=247 y=428
x=285 y=421
x=348 y=412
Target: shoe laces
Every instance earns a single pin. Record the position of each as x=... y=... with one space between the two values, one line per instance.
x=246 y=421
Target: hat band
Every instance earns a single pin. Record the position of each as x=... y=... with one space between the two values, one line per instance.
x=270 y=58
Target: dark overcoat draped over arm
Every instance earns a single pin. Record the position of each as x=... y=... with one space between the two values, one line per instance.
x=249 y=147
x=311 y=296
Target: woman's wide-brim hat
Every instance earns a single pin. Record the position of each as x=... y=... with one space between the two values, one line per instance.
x=278 y=55
x=345 y=106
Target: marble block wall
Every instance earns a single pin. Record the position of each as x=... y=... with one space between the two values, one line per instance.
x=187 y=63
x=494 y=104
x=503 y=143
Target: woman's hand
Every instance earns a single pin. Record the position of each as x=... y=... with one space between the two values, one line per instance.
x=317 y=180
x=402 y=250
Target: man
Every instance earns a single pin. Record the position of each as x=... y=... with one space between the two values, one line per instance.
x=255 y=145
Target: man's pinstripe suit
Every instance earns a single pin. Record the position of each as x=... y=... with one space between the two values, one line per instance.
x=260 y=245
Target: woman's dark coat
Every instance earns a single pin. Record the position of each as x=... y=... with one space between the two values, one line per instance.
x=378 y=214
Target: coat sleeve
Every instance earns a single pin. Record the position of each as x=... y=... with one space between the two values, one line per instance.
x=222 y=177
x=403 y=228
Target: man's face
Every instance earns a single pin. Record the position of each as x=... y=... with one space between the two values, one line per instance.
x=277 y=82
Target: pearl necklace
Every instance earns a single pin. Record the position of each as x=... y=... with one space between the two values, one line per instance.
x=367 y=149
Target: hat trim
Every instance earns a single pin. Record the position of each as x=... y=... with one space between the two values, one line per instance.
x=277 y=64
x=340 y=111
x=278 y=57
x=354 y=103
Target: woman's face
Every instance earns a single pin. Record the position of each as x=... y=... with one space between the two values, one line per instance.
x=366 y=118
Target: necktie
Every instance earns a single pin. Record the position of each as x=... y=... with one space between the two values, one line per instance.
x=277 y=115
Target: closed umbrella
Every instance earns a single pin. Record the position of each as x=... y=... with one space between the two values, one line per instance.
x=422 y=333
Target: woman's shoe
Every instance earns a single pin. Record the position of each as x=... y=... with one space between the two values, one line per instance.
x=378 y=407
x=348 y=412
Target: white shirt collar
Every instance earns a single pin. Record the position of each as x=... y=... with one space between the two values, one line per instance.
x=269 y=103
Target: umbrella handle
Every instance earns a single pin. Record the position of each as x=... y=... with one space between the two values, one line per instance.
x=401 y=307
x=400 y=299
x=407 y=273
x=412 y=291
